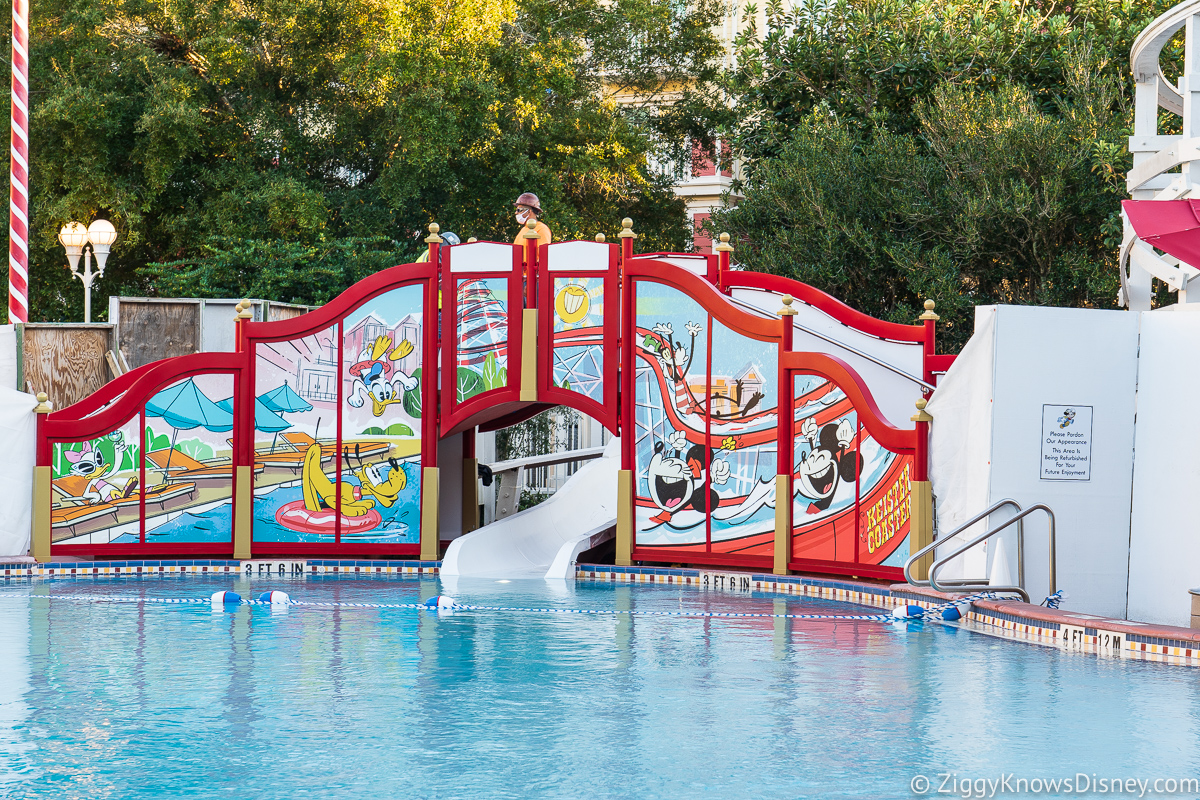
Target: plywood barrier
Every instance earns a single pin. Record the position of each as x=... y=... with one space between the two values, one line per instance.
x=64 y=360
x=151 y=329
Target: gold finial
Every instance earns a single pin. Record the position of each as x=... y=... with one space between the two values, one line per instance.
x=922 y=415
x=929 y=304
x=531 y=229
x=472 y=239
x=787 y=310
x=433 y=237
x=43 y=406
x=627 y=229
x=599 y=237
x=726 y=247
x=243 y=310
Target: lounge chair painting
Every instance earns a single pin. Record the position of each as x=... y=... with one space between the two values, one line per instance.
x=285 y=456
x=74 y=509
x=289 y=459
x=176 y=465
x=359 y=449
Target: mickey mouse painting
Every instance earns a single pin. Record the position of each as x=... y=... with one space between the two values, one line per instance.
x=680 y=480
x=829 y=462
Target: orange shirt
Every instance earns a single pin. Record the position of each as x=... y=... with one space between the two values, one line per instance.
x=543 y=232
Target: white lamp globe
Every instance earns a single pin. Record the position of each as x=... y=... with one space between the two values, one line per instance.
x=73 y=237
x=101 y=233
x=73 y=234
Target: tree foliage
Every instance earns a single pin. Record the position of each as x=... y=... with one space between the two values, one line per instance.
x=968 y=152
x=237 y=144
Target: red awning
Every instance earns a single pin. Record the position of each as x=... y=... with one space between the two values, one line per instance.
x=1172 y=226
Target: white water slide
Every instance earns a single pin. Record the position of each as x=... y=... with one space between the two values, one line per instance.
x=544 y=541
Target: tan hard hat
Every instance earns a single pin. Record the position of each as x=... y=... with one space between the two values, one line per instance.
x=529 y=199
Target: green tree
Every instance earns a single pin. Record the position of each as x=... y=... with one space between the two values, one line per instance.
x=875 y=61
x=235 y=145
x=971 y=153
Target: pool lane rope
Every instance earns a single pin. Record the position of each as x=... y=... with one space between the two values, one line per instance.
x=948 y=612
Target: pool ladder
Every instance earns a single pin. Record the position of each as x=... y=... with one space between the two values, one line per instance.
x=982 y=584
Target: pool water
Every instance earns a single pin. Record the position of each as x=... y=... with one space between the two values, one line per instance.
x=103 y=700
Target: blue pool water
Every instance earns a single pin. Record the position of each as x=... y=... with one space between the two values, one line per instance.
x=145 y=700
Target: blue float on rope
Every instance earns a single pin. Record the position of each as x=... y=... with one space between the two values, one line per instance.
x=441 y=601
x=951 y=614
x=275 y=598
x=226 y=598
x=908 y=612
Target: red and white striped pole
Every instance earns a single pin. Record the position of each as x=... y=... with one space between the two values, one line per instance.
x=18 y=170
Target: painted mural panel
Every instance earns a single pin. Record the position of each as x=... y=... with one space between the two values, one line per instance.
x=883 y=525
x=382 y=375
x=706 y=454
x=670 y=424
x=579 y=335
x=186 y=483
x=296 y=409
x=482 y=326
x=743 y=402
x=189 y=461
x=95 y=488
x=848 y=489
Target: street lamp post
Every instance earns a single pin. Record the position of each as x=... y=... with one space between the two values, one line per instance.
x=75 y=238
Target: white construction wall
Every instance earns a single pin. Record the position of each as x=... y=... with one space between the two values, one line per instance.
x=1164 y=557
x=1043 y=361
x=18 y=431
x=960 y=446
x=8 y=357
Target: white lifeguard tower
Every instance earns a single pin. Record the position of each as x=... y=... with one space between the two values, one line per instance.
x=1165 y=167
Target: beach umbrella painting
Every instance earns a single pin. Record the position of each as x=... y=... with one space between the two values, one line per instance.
x=265 y=419
x=1172 y=226
x=184 y=407
x=284 y=400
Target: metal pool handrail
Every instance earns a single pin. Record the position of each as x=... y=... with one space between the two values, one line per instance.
x=1020 y=556
x=943 y=540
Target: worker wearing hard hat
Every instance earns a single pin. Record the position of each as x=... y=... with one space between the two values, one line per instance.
x=529 y=208
x=448 y=238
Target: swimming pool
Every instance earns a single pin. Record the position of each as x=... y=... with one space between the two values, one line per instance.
x=141 y=700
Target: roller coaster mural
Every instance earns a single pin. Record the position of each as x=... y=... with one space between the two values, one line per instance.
x=320 y=434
